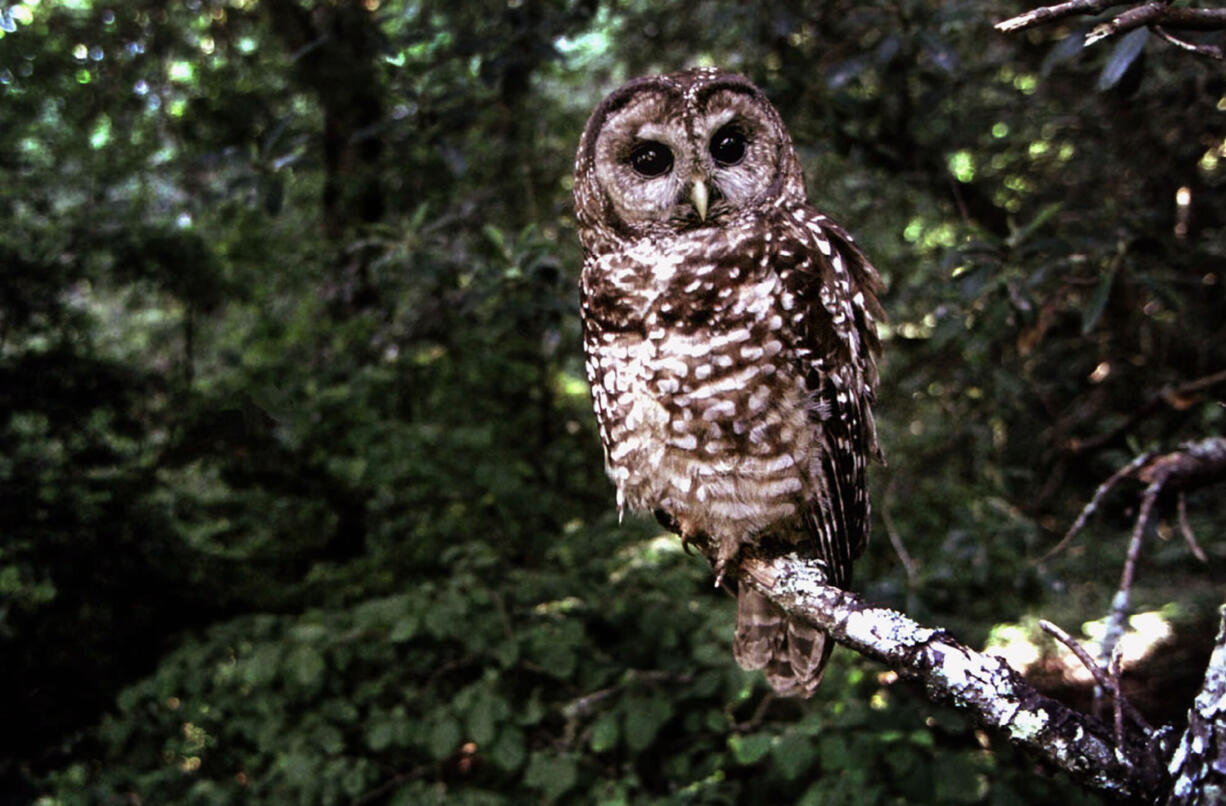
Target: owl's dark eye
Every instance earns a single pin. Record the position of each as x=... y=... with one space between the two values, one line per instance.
x=651 y=159
x=728 y=146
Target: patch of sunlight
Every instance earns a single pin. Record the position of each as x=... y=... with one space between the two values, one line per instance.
x=1015 y=643
x=428 y=355
x=962 y=165
x=558 y=606
x=645 y=554
x=182 y=72
x=584 y=47
x=572 y=385
x=1000 y=129
x=101 y=135
x=1146 y=631
x=23 y=13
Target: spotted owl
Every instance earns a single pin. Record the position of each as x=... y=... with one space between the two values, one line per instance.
x=730 y=335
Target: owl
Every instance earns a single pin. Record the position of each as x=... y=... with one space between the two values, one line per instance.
x=730 y=339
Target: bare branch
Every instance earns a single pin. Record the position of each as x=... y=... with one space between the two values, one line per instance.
x=1092 y=507
x=1117 y=701
x=1117 y=621
x=983 y=684
x=1154 y=14
x=1192 y=465
x=1137 y=17
x=1212 y=51
x=1186 y=529
x=1100 y=676
x=1046 y=14
x=1179 y=396
x=904 y=557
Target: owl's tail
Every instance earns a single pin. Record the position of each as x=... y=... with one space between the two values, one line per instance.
x=791 y=652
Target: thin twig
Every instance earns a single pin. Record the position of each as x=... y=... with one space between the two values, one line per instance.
x=759 y=714
x=1100 y=677
x=1120 y=605
x=1092 y=507
x=1211 y=51
x=1170 y=395
x=1117 y=698
x=908 y=564
x=1186 y=529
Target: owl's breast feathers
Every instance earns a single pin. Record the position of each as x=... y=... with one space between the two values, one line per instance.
x=732 y=370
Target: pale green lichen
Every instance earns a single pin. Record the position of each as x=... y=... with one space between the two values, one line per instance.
x=1027 y=725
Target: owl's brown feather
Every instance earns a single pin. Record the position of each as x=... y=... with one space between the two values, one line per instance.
x=731 y=356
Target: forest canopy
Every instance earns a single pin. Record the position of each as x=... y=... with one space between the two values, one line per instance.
x=301 y=493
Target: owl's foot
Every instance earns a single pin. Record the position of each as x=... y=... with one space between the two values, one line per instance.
x=725 y=558
x=691 y=538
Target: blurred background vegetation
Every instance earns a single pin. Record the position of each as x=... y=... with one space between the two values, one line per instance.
x=300 y=495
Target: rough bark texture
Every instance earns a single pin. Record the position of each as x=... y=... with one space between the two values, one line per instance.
x=1198 y=767
x=982 y=684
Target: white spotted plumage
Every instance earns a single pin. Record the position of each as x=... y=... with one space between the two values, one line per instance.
x=731 y=351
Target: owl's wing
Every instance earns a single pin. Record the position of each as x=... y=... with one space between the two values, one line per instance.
x=832 y=322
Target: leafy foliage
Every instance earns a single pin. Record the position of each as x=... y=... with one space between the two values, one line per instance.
x=301 y=494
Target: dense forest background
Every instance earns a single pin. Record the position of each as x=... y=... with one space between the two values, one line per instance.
x=300 y=494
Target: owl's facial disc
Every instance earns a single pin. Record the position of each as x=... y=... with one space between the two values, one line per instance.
x=688 y=160
x=643 y=157
x=741 y=147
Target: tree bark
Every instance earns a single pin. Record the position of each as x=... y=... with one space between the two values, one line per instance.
x=1198 y=767
x=995 y=693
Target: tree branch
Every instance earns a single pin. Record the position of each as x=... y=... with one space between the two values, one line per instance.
x=1198 y=767
x=1058 y=11
x=1155 y=14
x=983 y=684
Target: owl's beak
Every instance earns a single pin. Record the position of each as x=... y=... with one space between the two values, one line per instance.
x=700 y=196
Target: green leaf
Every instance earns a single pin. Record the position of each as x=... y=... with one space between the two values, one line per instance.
x=1098 y=303
x=643 y=718
x=605 y=733
x=551 y=774
x=508 y=751
x=445 y=737
x=793 y=754
x=486 y=712
x=305 y=665
x=749 y=749
x=960 y=781
x=262 y=665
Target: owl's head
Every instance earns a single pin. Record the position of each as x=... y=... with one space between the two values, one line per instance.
x=680 y=151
